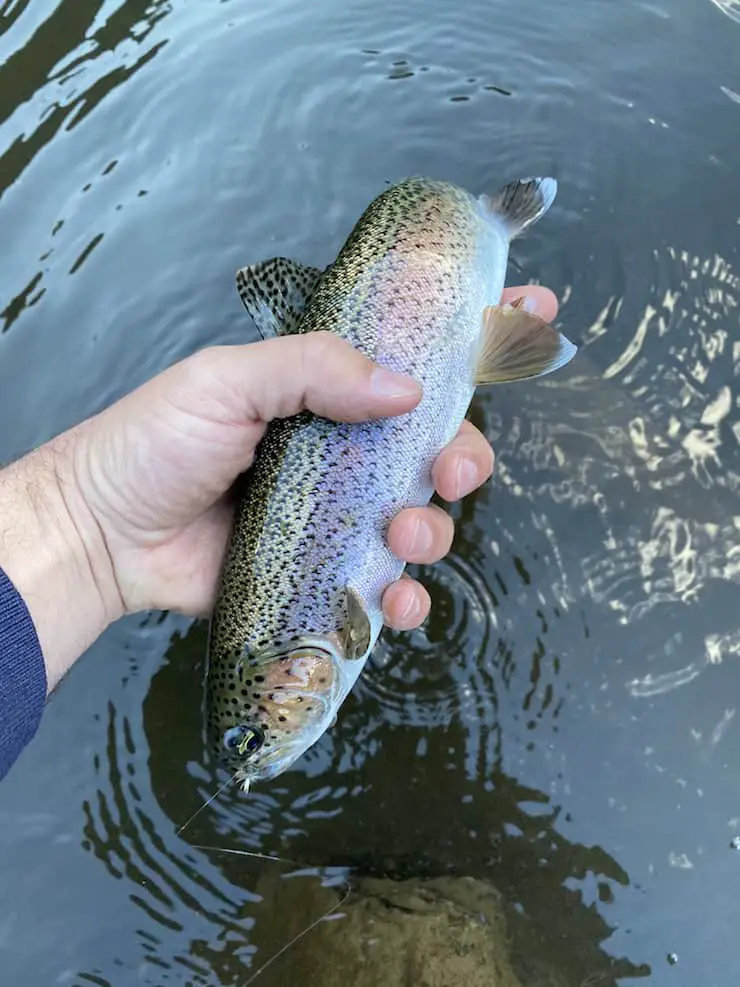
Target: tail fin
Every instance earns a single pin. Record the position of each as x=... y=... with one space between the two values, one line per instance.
x=521 y=203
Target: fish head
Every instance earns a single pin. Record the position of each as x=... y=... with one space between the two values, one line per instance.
x=273 y=709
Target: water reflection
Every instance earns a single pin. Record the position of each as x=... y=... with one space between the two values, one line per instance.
x=197 y=917
x=659 y=430
x=48 y=83
x=564 y=727
x=328 y=825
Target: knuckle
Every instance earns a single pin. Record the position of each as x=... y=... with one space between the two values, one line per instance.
x=317 y=347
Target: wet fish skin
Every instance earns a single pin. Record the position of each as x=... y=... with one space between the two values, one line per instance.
x=416 y=288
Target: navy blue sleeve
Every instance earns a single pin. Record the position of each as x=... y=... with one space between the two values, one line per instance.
x=22 y=675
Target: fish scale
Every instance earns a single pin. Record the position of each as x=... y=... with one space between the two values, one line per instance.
x=415 y=287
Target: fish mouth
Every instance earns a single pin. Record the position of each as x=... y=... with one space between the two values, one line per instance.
x=272 y=765
x=284 y=752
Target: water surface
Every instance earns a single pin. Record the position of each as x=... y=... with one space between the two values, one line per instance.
x=565 y=727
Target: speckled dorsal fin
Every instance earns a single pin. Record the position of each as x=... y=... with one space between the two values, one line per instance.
x=517 y=345
x=357 y=632
x=275 y=293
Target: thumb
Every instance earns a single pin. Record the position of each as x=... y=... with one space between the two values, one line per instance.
x=317 y=372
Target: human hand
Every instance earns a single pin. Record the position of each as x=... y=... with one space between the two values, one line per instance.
x=130 y=510
x=155 y=467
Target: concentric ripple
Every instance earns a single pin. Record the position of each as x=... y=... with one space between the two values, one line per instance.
x=630 y=465
x=427 y=677
x=475 y=664
x=201 y=908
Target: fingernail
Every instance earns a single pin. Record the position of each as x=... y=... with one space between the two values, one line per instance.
x=386 y=384
x=411 y=610
x=421 y=540
x=530 y=304
x=466 y=477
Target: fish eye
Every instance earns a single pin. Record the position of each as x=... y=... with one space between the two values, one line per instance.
x=243 y=739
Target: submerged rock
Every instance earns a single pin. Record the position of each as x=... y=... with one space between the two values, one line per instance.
x=412 y=933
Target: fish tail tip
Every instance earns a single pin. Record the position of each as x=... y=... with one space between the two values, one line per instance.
x=523 y=202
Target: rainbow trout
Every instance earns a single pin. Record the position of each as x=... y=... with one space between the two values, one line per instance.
x=416 y=287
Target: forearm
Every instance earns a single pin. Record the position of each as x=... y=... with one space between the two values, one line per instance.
x=54 y=553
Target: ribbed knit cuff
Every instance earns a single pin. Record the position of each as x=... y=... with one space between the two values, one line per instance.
x=22 y=675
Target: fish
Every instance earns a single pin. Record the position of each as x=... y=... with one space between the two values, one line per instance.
x=417 y=288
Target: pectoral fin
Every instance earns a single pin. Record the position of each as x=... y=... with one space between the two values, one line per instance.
x=357 y=632
x=517 y=345
x=275 y=293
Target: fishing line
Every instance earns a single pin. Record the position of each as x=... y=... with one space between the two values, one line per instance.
x=247 y=853
x=298 y=937
x=208 y=801
x=264 y=856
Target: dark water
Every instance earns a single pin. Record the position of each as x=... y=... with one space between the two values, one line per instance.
x=565 y=727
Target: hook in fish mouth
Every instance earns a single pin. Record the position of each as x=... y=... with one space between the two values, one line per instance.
x=273 y=765
x=281 y=750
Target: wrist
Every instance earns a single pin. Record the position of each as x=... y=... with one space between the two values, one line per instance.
x=53 y=550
